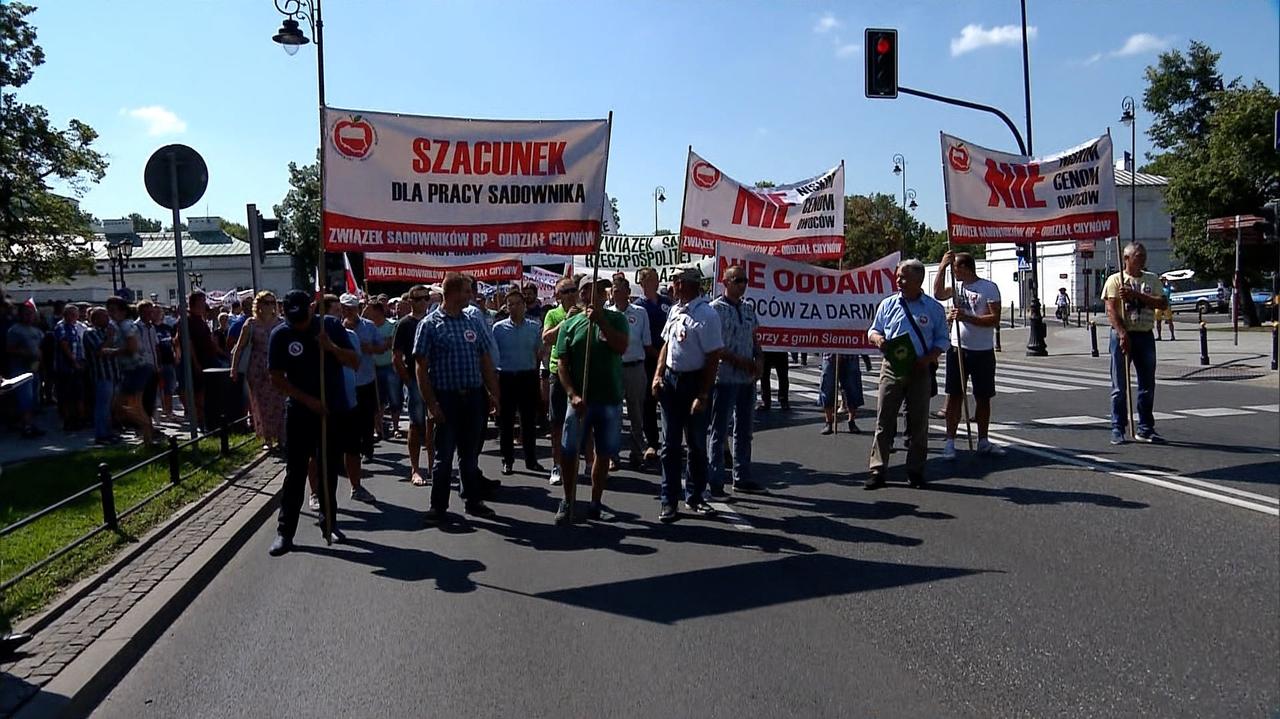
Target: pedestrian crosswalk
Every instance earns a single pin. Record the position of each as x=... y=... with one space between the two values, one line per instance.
x=1012 y=377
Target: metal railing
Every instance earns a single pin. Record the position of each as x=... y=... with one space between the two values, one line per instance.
x=105 y=487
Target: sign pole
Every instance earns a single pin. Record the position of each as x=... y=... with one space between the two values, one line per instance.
x=1120 y=317
x=184 y=323
x=1235 y=291
x=322 y=464
x=964 y=378
x=595 y=271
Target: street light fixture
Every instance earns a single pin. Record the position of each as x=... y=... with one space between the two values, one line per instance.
x=910 y=194
x=118 y=253
x=659 y=195
x=900 y=169
x=1129 y=118
x=196 y=279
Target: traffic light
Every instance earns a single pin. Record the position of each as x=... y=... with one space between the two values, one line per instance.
x=258 y=228
x=1021 y=251
x=1268 y=227
x=881 y=47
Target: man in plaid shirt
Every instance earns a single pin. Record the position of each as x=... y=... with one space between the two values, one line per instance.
x=455 y=366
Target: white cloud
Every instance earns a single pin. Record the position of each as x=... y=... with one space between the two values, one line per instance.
x=826 y=23
x=1092 y=59
x=973 y=37
x=1141 y=44
x=159 y=120
x=848 y=50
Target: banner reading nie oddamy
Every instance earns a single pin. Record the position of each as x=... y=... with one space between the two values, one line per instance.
x=405 y=183
x=801 y=221
x=404 y=267
x=997 y=197
x=802 y=308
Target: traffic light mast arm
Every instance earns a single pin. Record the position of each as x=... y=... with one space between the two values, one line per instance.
x=1022 y=146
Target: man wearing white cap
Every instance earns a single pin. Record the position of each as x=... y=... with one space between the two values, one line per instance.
x=370 y=345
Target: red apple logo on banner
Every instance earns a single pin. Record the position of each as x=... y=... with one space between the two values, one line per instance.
x=705 y=175
x=353 y=137
x=958 y=156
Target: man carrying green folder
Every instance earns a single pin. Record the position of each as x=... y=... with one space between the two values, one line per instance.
x=910 y=329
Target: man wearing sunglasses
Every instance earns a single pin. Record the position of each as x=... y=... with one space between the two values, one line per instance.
x=734 y=396
x=406 y=367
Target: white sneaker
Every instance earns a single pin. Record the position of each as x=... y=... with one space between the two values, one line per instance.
x=994 y=450
x=949 y=450
x=555 y=477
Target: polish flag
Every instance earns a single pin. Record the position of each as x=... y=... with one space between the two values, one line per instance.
x=31 y=302
x=352 y=288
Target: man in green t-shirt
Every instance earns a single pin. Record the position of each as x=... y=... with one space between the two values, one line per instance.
x=594 y=387
x=557 y=398
x=1131 y=298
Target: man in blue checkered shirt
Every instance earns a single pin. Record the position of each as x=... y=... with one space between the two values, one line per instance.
x=455 y=366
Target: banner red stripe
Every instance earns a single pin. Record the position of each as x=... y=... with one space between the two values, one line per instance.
x=344 y=233
x=690 y=235
x=1080 y=226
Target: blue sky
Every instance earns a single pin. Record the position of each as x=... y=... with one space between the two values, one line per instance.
x=766 y=90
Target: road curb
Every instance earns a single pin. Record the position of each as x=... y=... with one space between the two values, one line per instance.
x=79 y=687
x=80 y=589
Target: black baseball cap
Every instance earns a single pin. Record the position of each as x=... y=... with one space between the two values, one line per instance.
x=297 y=305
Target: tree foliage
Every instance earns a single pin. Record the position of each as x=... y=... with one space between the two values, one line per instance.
x=43 y=236
x=144 y=224
x=876 y=225
x=236 y=230
x=299 y=215
x=1217 y=153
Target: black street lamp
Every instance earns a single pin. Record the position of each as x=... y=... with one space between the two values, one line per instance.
x=908 y=196
x=196 y=279
x=118 y=254
x=659 y=195
x=1128 y=117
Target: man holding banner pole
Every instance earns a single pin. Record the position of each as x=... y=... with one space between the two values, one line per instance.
x=1131 y=299
x=910 y=329
x=974 y=314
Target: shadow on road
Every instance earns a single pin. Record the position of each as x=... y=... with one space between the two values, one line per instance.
x=1027 y=496
x=405 y=564
x=1267 y=472
x=707 y=592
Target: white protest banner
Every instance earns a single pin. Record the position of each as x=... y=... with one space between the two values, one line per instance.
x=628 y=253
x=405 y=267
x=800 y=221
x=997 y=197
x=546 y=282
x=803 y=308
x=405 y=183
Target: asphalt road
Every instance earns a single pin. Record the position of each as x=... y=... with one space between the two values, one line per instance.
x=1070 y=578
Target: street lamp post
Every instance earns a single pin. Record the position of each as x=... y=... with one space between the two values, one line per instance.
x=290 y=36
x=1128 y=117
x=659 y=195
x=196 y=279
x=118 y=254
x=908 y=195
x=111 y=262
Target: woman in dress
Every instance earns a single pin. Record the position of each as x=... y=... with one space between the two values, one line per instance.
x=266 y=404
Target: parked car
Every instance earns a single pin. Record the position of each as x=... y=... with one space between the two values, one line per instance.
x=1194 y=295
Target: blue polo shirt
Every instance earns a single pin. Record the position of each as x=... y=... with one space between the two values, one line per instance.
x=891 y=321
x=452 y=346
x=368 y=334
x=517 y=344
x=658 y=311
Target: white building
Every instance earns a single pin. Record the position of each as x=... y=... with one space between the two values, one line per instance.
x=221 y=262
x=1060 y=264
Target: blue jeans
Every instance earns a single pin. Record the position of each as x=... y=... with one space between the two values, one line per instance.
x=681 y=425
x=850 y=382
x=390 y=391
x=1142 y=346
x=462 y=431
x=737 y=400
x=604 y=421
x=104 y=392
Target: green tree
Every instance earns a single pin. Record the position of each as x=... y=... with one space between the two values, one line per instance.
x=43 y=236
x=143 y=224
x=876 y=225
x=1218 y=158
x=236 y=230
x=299 y=215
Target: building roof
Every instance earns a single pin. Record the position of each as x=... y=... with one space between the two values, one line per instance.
x=159 y=245
x=1125 y=177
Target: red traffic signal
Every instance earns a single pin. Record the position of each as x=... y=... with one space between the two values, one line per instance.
x=882 y=62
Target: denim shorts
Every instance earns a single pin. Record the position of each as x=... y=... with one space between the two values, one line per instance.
x=603 y=420
x=417 y=411
x=390 y=392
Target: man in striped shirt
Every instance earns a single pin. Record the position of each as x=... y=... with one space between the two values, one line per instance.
x=100 y=347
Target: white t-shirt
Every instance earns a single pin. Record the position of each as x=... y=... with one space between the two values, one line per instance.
x=691 y=333
x=975 y=298
x=639 y=335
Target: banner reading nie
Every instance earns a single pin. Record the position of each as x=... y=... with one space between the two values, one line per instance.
x=997 y=197
x=801 y=221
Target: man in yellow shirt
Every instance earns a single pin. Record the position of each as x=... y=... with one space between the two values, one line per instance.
x=1132 y=297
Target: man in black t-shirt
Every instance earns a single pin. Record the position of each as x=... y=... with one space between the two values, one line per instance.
x=294 y=360
x=406 y=367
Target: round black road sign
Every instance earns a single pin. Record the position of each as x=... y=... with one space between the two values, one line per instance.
x=193 y=177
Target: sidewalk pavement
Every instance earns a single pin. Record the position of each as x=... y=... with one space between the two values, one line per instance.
x=100 y=627
x=14 y=449
x=1176 y=359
